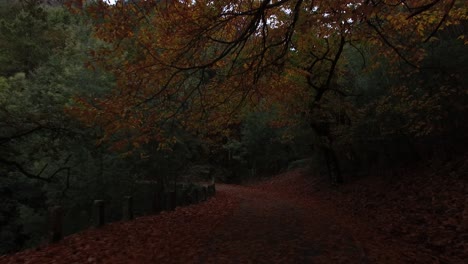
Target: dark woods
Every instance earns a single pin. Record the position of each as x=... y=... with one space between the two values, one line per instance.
x=79 y=123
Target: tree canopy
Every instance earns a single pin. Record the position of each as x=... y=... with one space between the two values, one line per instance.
x=194 y=64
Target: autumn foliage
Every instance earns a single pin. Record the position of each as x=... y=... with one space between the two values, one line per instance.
x=101 y=101
x=195 y=64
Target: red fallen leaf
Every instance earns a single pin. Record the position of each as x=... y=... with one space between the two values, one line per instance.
x=283 y=220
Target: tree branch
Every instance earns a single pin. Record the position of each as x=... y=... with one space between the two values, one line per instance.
x=20 y=167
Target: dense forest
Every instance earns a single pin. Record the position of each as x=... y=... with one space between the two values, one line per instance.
x=98 y=98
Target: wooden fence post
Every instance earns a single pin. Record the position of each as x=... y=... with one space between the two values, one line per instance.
x=211 y=190
x=204 y=193
x=156 y=205
x=162 y=202
x=180 y=197
x=173 y=199
x=187 y=198
x=127 y=213
x=99 y=213
x=55 y=224
x=196 y=195
x=166 y=201
x=180 y=190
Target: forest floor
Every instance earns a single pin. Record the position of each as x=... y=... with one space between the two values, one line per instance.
x=291 y=218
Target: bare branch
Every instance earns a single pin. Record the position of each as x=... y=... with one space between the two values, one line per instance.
x=19 y=135
x=21 y=168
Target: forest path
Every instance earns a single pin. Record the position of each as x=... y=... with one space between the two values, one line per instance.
x=278 y=221
x=267 y=228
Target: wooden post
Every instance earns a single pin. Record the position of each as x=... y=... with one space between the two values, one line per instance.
x=180 y=194
x=204 y=193
x=127 y=213
x=211 y=190
x=180 y=197
x=196 y=196
x=187 y=198
x=173 y=200
x=99 y=213
x=55 y=224
x=166 y=201
x=158 y=202
x=162 y=201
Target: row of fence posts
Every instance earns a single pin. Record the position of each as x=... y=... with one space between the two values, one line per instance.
x=167 y=202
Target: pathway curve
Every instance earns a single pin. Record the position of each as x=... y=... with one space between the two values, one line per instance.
x=263 y=223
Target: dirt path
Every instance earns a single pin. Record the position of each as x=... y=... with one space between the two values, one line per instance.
x=266 y=228
x=256 y=224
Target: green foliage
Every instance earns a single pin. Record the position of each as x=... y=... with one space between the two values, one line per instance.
x=264 y=149
x=403 y=114
x=37 y=133
x=29 y=34
x=46 y=157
